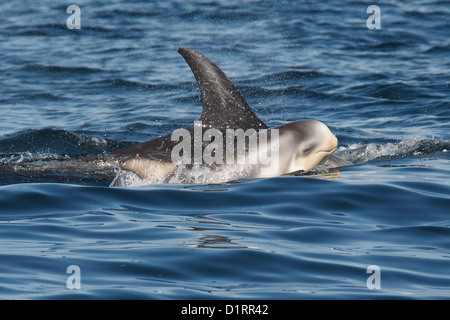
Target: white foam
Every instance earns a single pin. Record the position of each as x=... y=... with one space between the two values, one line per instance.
x=128 y=179
x=360 y=153
x=196 y=174
x=24 y=157
x=207 y=174
x=92 y=141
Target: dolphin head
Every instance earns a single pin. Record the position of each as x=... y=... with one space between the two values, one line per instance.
x=310 y=143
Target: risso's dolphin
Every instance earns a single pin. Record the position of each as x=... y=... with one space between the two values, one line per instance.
x=229 y=139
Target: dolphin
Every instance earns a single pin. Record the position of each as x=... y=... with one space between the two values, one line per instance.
x=300 y=145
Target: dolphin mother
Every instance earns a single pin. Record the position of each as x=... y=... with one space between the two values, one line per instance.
x=301 y=145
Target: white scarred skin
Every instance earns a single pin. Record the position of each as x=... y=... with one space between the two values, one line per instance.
x=303 y=145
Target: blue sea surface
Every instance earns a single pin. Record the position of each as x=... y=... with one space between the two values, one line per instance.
x=67 y=94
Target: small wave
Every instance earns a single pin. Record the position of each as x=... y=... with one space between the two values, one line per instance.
x=123 y=84
x=389 y=45
x=127 y=179
x=127 y=13
x=39 y=96
x=110 y=33
x=52 y=168
x=360 y=153
x=443 y=109
x=397 y=91
x=438 y=49
x=26 y=157
x=52 y=141
x=296 y=91
x=60 y=69
x=51 y=30
x=47 y=30
x=294 y=74
x=289 y=75
x=236 y=16
x=51 y=156
x=33 y=33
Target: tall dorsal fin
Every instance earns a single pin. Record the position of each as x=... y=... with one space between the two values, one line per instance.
x=223 y=104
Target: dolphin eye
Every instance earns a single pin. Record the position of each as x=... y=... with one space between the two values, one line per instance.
x=308 y=150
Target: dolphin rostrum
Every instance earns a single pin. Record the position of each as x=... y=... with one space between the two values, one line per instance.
x=226 y=116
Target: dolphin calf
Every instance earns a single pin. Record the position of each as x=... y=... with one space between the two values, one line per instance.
x=295 y=146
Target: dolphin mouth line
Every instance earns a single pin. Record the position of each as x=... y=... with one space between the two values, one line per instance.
x=328 y=151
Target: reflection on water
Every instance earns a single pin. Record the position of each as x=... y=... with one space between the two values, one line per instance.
x=211 y=241
x=212 y=232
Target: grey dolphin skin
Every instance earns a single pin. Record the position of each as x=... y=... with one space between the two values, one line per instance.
x=301 y=145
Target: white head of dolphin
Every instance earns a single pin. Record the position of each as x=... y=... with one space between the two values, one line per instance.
x=303 y=145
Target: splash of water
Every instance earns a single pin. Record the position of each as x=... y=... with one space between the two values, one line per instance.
x=360 y=153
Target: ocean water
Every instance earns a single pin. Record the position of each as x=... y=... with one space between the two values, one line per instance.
x=67 y=94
